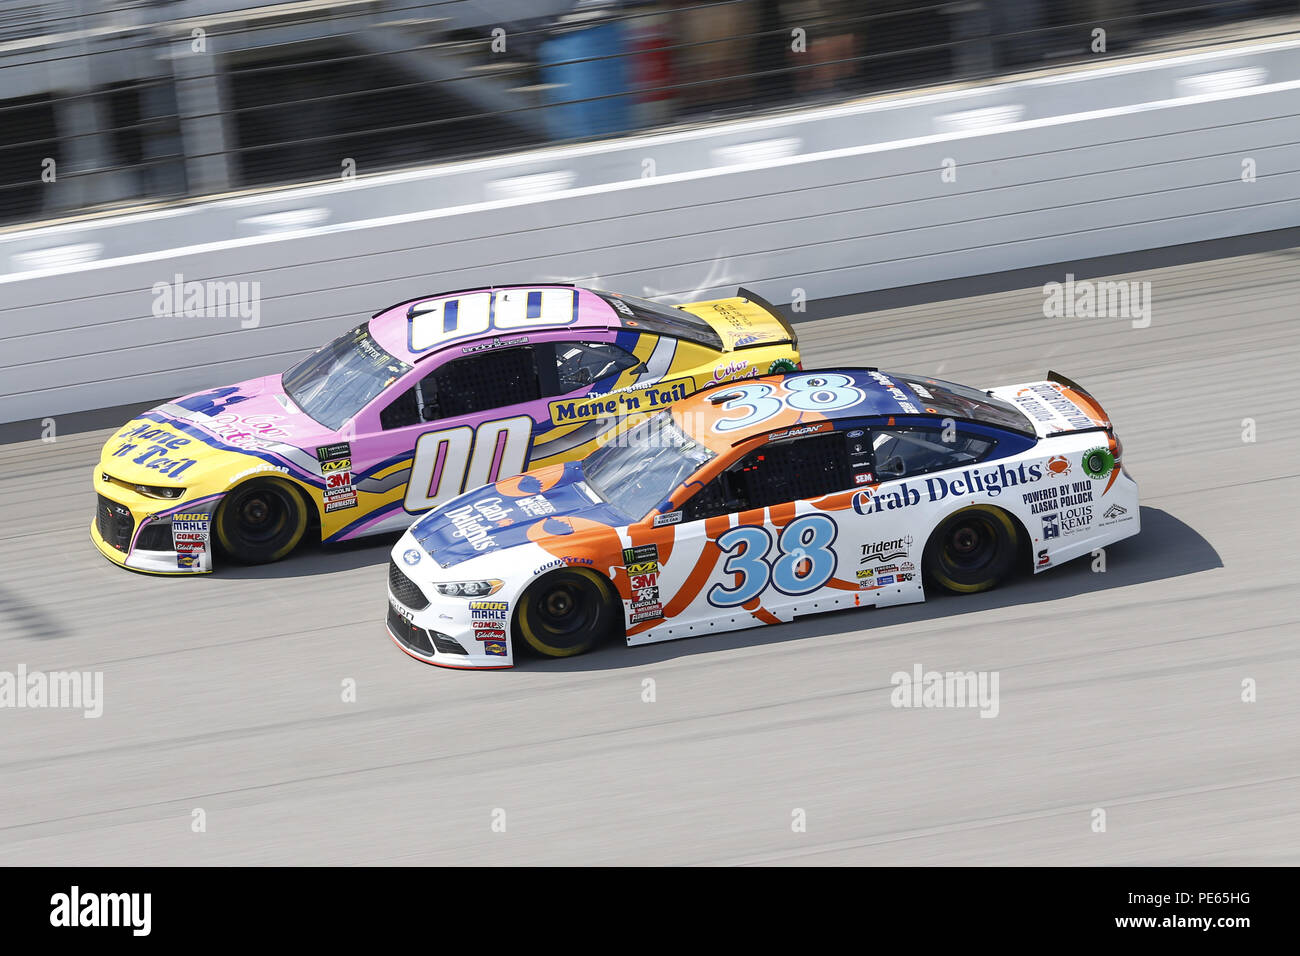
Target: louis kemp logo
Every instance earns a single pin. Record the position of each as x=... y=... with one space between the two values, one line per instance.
x=75 y=908
x=209 y=300
x=1098 y=300
x=73 y=690
x=935 y=689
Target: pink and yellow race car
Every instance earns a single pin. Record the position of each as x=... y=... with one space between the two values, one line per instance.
x=424 y=400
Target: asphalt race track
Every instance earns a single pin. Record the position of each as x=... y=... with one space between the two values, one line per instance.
x=1119 y=690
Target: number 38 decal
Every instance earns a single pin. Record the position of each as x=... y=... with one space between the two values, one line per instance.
x=803 y=563
x=450 y=460
x=805 y=393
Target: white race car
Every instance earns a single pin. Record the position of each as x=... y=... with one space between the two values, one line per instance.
x=756 y=503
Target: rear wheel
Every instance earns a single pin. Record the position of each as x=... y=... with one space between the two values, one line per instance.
x=972 y=550
x=567 y=612
x=260 y=521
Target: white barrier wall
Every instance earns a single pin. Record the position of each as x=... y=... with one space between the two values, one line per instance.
x=1018 y=193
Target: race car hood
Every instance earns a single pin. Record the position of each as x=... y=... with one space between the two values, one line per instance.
x=508 y=513
x=229 y=430
x=741 y=323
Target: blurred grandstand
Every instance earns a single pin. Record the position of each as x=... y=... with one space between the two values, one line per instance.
x=133 y=101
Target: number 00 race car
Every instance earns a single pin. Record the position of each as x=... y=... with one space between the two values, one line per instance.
x=760 y=502
x=426 y=399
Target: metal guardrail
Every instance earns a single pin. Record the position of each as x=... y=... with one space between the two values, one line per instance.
x=967 y=182
x=106 y=105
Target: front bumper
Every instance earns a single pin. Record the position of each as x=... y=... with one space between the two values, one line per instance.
x=135 y=532
x=444 y=632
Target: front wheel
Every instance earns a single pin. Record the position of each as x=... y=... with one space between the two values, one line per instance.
x=567 y=612
x=972 y=550
x=260 y=521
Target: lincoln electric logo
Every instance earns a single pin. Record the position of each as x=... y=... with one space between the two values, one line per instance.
x=130 y=910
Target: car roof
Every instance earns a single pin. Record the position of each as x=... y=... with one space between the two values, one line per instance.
x=418 y=328
x=864 y=393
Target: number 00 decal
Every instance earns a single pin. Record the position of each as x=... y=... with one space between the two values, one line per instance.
x=449 y=461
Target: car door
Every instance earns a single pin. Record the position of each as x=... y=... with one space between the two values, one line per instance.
x=748 y=547
x=913 y=466
x=467 y=421
x=581 y=379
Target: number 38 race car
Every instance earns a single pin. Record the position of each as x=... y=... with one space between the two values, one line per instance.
x=759 y=502
x=423 y=401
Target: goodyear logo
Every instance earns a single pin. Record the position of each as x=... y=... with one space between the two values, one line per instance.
x=488 y=605
x=340 y=464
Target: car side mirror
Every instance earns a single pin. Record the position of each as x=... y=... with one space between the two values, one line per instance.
x=428 y=412
x=640 y=368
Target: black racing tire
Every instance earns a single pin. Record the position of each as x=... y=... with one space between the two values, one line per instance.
x=972 y=550
x=567 y=612
x=260 y=521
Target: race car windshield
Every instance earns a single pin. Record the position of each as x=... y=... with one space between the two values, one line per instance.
x=637 y=470
x=958 y=401
x=665 y=319
x=337 y=381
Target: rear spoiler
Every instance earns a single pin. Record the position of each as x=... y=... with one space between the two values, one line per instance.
x=1070 y=383
x=772 y=311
